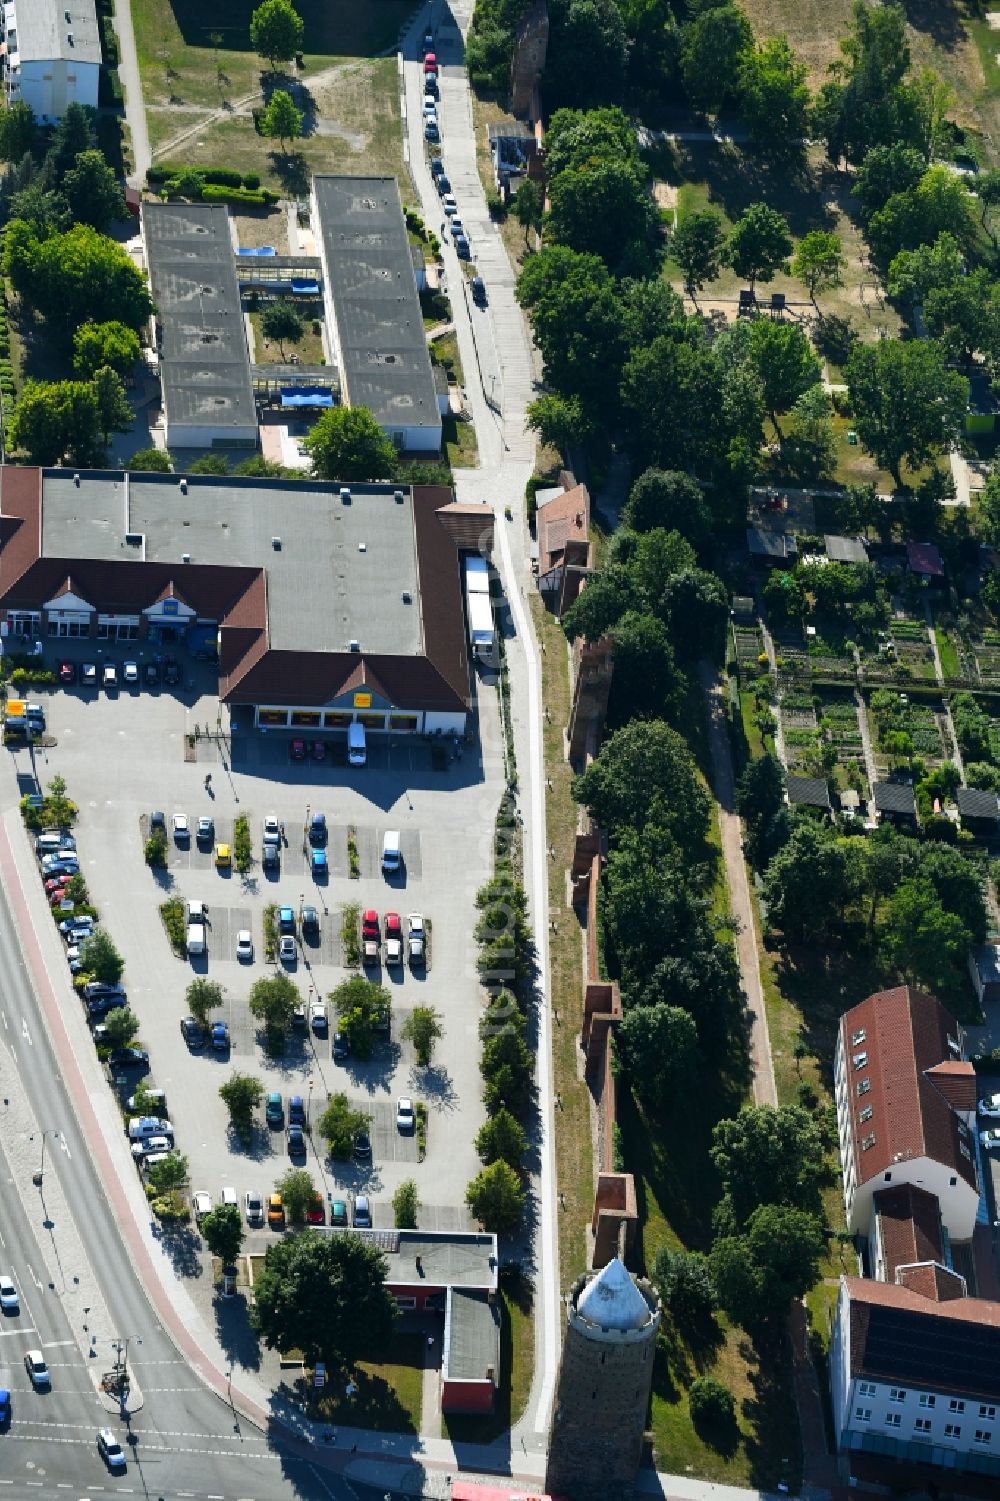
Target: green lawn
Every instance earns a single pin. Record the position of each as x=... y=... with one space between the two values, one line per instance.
x=309 y=348
x=389 y=1395
x=948 y=652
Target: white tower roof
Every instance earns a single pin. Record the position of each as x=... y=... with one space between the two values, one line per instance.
x=612 y=1300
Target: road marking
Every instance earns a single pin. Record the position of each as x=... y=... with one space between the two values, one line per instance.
x=27 y=1037
x=5 y=1025
x=57 y=1344
x=65 y=1146
x=33 y=1277
x=23 y=1329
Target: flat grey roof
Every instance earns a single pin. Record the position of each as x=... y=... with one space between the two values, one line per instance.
x=380 y=330
x=846 y=549
x=339 y=575
x=472 y=1351
x=45 y=27
x=204 y=361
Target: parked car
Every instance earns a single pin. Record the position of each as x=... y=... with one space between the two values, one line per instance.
x=363 y=1146
x=275 y=1212
x=272 y=828
x=341 y=1047
x=478 y=287
x=430 y=62
x=338 y=1211
x=990 y=1106
x=286 y=920
x=205 y=829
x=286 y=949
x=296 y=1110
x=244 y=946
x=315 y=1214
x=317 y=1017
x=10 y=1298
x=362 y=1212
x=320 y=866
x=128 y=1058
x=151 y=1146
x=416 y=938
x=462 y=247
x=111 y=1451
x=201 y=1202
x=109 y=677
x=430 y=108
x=157 y=820
x=317 y=829
x=437 y=166
x=443 y=185
x=182 y=829
x=97 y=990
x=38 y=1371
x=220 y=1037
x=141 y=1127
x=192 y=1032
x=431 y=84
x=457 y=225
x=171 y=672
x=393 y=939
x=991 y=1138
x=151 y=674
x=155 y=1097
x=223 y=857
x=449 y=203
x=428 y=42
x=296 y=1141
x=297 y=750
x=88 y=675
x=274 y=1110
x=431 y=131
x=130 y=673
x=101 y=1007
x=405 y=1118
x=310 y=922
x=67 y=674
x=254 y=1205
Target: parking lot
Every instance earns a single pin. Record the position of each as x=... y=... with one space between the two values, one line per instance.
x=127 y=753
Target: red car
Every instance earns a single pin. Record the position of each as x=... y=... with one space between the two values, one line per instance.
x=430 y=62
x=67 y=673
x=297 y=750
x=393 y=926
x=315 y=1214
x=393 y=939
x=54 y=883
x=61 y=894
x=370 y=936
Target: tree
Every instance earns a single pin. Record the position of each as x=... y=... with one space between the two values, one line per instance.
x=282 y=320
x=914 y=273
x=17 y=131
x=712 y=44
x=273 y=1001
x=114 y=414
x=576 y=136
x=672 y=500
x=658 y=1046
x=907 y=405
x=56 y=420
x=810 y=444
x=713 y=1412
x=528 y=205
x=169 y=1175
x=961 y=316
x=696 y=246
x=405 y=1205
x=784 y=363
x=241 y=1094
x=807 y=884
x=920 y=940
x=339 y=1125
x=348 y=444
x=760 y=799
x=149 y=461
x=885 y=171
x=703 y=978
x=281 y=121
x=865 y=105
x=776 y=1259
x=818 y=262
x=75 y=134
x=646 y=682
x=940 y=202
x=507 y=1067
x=222 y=1232
x=215 y=464
x=684 y=1282
x=758 y=245
x=768 y=1155
x=644 y=773
x=362 y=1007
x=297 y=1191
x=109 y=346
x=559 y=421
x=324 y=1295
x=774 y=99
x=46 y=213
x=577 y=323
x=101 y=959
x=989 y=506
x=276 y=31
x=423 y=1028
x=502 y=1139
x=121 y=1027
x=603 y=208
x=496 y=1198
x=587 y=53
x=80 y=276
x=651 y=907
x=91 y=189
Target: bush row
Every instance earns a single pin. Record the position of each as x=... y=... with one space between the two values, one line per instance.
x=214 y=193
x=109 y=42
x=109 y=89
x=223 y=177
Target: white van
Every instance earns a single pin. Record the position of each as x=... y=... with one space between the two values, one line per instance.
x=392 y=857
x=196 y=937
x=357 y=750
x=229 y=1197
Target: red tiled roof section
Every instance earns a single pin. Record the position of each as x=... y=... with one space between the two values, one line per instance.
x=932 y=1281
x=562 y=519
x=909 y=1222
x=440 y=593
x=956 y=1080
x=906 y=1034
x=865 y=1293
x=20 y=522
x=924 y=557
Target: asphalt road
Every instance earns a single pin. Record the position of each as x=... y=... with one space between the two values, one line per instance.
x=184 y=1441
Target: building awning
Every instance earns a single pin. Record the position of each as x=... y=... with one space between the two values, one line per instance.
x=306 y=396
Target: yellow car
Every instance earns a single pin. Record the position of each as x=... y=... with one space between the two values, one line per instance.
x=275 y=1212
x=223 y=858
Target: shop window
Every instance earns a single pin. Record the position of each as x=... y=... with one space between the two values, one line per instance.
x=273 y=717
x=337 y=720
x=306 y=719
x=406 y=722
x=372 y=721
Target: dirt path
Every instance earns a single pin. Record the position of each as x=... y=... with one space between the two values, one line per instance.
x=740 y=899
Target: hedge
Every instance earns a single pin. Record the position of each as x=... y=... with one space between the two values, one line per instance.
x=109 y=89
x=109 y=42
x=223 y=177
x=258 y=196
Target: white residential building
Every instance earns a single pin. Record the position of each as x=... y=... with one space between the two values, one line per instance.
x=915 y=1376
x=53 y=56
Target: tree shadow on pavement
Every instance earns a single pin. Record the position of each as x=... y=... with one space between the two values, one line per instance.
x=182 y=1245
x=233 y=1331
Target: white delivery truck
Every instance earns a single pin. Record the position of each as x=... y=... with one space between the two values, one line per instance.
x=357 y=750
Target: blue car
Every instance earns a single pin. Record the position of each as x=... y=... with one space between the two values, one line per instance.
x=296 y=1142
x=320 y=868
x=286 y=920
x=317 y=829
x=4 y=1405
x=296 y=1110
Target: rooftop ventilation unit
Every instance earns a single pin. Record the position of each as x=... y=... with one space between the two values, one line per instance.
x=407 y=597
x=398 y=497
x=345 y=495
x=354 y=645
x=76 y=481
x=276 y=543
x=133 y=539
x=185 y=557
x=362 y=547
x=184 y=486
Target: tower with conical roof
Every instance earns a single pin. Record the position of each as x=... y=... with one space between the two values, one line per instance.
x=605 y=1377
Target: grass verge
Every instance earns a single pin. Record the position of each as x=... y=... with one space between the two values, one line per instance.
x=517 y=1360
x=389 y=1394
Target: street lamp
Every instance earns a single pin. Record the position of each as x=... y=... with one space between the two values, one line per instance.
x=309 y=1104
x=121 y=1348
x=41 y=1166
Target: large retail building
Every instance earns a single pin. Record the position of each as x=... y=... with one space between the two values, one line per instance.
x=328 y=604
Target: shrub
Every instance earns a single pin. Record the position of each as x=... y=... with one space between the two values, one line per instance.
x=242 y=844
x=270 y=932
x=251 y=180
x=172 y=913
x=350 y=936
x=224 y=176
x=713 y=1411
x=216 y=193
x=405 y=1205
x=155 y=849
